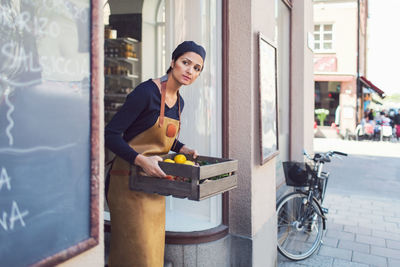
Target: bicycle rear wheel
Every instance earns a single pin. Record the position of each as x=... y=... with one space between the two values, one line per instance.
x=300 y=226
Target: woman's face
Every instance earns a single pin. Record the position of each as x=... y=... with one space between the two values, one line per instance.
x=187 y=68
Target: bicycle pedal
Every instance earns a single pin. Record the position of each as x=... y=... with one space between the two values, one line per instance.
x=325 y=210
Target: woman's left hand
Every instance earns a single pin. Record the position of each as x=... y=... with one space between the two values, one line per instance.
x=188 y=151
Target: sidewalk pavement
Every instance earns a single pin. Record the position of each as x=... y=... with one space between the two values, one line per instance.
x=360 y=232
x=368 y=148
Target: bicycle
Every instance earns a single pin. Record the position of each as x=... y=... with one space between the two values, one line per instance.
x=301 y=217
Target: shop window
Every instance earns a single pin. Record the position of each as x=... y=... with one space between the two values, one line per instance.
x=323 y=37
x=199 y=21
x=282 y=16
x=106 y=12
x=159 y=26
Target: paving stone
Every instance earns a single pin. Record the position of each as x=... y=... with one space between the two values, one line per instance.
x=340 y=235
x=369 y=207
x=330 y=241
x=360 y=247
x=394 y=263
x=332 y=210
x=370 y=240
x=345 y=222
x=380 y=204
x=383 y=212
x=369 y=259
x=348 y=213
x=357 y=230
x=362 y=221
x=386 y=235
x=392 y=219
x=374 y=226
x=340 y=207
x=284 y=262
x=334 y=226
x=393 y=244
x=378 y=220
x=355 y=205
x=335 y=252
x=290 y=264
x=344 y=263
x=386 y=252
x=317 y=260
x=337 y=217
x=392 y=227
x=373 y=217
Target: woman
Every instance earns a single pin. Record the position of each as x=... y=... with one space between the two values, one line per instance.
x=145 y=127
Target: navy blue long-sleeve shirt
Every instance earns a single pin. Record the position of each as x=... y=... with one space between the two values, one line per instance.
x=139 y=113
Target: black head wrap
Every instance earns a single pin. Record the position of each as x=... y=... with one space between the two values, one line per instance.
x=188 y=46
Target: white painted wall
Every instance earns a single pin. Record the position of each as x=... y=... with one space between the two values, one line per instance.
x=241 y=114
x=302 y=91
x=252 y=204
x=343 y=16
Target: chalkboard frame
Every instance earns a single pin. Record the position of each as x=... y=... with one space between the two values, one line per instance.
x=95 y=100
x=265 y=91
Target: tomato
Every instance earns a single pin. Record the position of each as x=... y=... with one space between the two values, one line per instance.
x=169 y=177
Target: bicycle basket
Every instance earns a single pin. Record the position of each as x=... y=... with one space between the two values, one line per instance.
x=296 y=173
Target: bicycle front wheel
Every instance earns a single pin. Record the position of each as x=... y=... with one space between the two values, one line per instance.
x=300 y=226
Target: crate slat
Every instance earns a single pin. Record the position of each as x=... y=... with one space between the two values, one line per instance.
x=213 y=187
x=216 y=169
x=182 y=170
x=160 y=186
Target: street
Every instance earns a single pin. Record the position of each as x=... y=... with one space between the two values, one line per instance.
x=363 y=198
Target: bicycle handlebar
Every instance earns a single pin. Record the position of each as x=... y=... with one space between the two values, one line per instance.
x=340 y=153
x=306 y=154
x=326 y=155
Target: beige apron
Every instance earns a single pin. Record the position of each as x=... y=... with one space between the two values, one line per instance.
x=137 y=218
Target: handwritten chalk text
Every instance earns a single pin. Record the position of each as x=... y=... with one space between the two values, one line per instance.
x=8 y=220
x=5 y=179
x=38 y=26
x=16 y=215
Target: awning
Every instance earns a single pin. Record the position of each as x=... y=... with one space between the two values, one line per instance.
x=376 y=100
x=372 y=86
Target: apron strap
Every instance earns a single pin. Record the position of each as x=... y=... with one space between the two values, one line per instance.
x=162 y=107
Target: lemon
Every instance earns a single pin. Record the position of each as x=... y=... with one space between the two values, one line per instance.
x=188 y=162
x=180 y=158
x=169 y=160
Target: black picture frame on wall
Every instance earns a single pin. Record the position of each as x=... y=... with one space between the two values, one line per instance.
x=268 y=99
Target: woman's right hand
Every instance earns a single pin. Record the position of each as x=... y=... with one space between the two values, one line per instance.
x=150 y=165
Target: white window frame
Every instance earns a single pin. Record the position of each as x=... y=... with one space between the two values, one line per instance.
x=187 y=20
x=283 y=39
x=321 y=40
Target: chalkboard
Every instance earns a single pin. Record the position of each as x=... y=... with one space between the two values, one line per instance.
x=46 y=131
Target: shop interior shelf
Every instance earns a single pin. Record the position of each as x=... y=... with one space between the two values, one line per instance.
x=118 y=41
x=117 y=60
x=131 y=77
x=115 y=95
x=110 y=112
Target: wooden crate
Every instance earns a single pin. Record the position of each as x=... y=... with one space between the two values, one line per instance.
x=202 y=185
